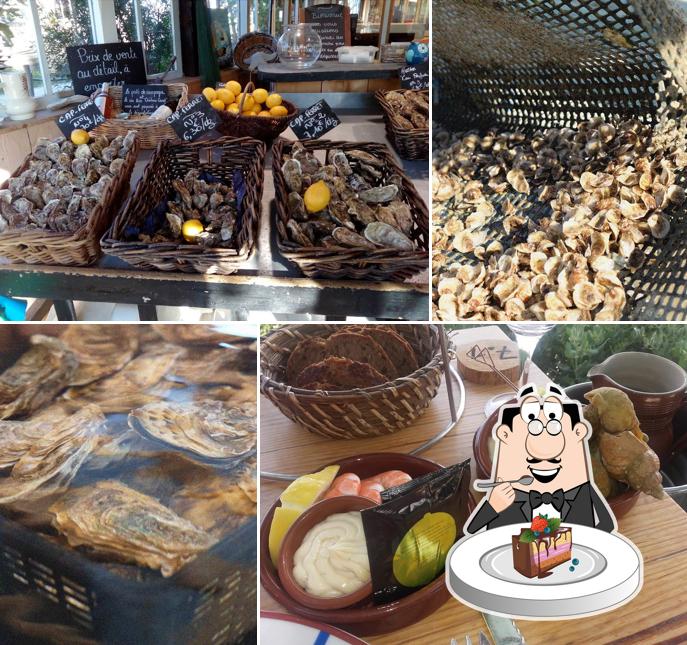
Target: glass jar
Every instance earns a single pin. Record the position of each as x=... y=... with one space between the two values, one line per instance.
x=299 y=46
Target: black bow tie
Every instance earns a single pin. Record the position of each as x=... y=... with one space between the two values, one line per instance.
x=556 y=499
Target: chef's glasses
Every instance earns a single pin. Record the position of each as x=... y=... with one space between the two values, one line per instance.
x=553 y=413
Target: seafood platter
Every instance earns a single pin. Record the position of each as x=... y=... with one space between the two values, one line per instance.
x=558 y=187
x=128 y=472
x=352 y=381
x=342 y=545
x=347 y=210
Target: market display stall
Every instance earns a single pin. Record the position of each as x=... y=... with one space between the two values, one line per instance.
x=287 y=447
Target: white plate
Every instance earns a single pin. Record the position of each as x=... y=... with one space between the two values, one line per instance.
x=293 y=630
x=480 y=574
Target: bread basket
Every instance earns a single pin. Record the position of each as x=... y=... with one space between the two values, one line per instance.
x=357 y=413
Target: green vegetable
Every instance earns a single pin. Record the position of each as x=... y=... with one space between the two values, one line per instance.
x=527 y=536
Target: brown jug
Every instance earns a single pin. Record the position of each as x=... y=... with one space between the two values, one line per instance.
x=657 y=388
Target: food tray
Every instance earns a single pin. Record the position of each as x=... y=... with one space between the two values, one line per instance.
x=346 y=262
x=359 y=413
x=169 y=162
x=212 y=600
x=38 y=246
x=410 y=144
x=365 y=618
x=150 y=132
x=527 y=66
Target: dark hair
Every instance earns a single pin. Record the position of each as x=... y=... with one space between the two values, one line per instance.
x=571 y=409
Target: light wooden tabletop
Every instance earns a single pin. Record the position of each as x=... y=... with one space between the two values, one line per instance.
x=658 y=528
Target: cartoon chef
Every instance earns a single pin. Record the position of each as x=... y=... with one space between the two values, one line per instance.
x=544 y=441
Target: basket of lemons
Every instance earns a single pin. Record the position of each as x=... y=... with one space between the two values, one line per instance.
x=250 y=112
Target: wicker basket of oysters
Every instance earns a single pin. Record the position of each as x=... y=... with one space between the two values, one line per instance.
x=347 y=210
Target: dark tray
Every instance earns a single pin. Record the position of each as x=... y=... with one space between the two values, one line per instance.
x=211 y=600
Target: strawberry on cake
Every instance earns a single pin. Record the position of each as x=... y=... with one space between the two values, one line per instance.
x=543 y=546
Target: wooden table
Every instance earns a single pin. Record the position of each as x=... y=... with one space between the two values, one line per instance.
x=266 y=282
x=658 y=528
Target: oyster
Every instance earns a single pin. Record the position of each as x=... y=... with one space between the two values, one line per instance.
x=196 y=335
x=115 y=520
x=340 y=162
x=297 y=207
x=293 y=175
x=297 y=233
x=388 y=236
x=220 y=365
x=349 y=238
x=365 y=157
x=360 y=211
x=99 y=350
x=37 y=376
x=380 y=194
x=209 y=429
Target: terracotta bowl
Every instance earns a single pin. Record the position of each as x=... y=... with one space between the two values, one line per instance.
x=364 y=618
x=620 y=504
x=294 y=538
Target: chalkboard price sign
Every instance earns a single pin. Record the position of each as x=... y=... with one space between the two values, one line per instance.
x=332 y=22
x=115 y=63
x=313 y=122
x=84 y=116
x=194 y=119
x=415 y=77
x=143 y=99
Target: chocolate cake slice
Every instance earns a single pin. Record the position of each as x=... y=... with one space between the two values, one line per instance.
x=542 y=547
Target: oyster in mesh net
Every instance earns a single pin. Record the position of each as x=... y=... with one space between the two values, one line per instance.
x=38 y=375
x=207 y=428
x=117 y=521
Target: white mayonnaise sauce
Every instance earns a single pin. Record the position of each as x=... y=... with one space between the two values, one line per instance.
x=332 y=559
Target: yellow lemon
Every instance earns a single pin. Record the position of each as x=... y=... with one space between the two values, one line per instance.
x=264 y=113
x=278 y=110
x=247 y=113
x=209 y=94
x=191 y=229
x=260 y=95
x=233 y=108
x=248 y=103
x=233 y=87
x=225 y=96
x=256 y=109
x=217 y=104
x=79 y=137
x=317 y=197
x=273 y=100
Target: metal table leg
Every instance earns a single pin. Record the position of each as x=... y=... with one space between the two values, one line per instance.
x=64 y=309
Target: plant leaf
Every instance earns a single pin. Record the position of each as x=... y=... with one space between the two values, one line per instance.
x=554 y=523
x=527 y=536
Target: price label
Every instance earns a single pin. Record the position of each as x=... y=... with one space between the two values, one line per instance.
x=194 y=119
x=84 y=116
x=315 y=121
x=415 y=77
x=143 y=99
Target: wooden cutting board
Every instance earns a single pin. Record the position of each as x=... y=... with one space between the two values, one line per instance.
x=504 y=354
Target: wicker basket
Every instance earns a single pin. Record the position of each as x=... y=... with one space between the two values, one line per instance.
x=359 y=413
x=346 y=262
x=410 y=144
x=38 y=246
x=170 y=162
x=519 y=65
x=257 y=127
x=150 y=132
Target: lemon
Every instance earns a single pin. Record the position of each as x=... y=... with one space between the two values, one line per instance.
x=248 y=103
x=264 y=113
x=299 y=496
x=247 y=113
x=191 y=229
x=79 y=137
x=260 y=95
x=209 y=94
x=273 y=100
x=317 y=197
x=233 y=108
x=225 y=96
x=233 y=87
x=278 y=110
x=256 y=109
x=217 y=104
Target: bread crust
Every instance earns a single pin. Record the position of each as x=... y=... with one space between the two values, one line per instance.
x=399 y=350
x=308 y=351
x=346 y=373
x=362 y=348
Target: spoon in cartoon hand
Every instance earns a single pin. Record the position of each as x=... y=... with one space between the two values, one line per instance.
x=525 y=480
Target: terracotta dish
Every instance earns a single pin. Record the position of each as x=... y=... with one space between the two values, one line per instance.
x=294 y=538
x=365 y=618
x=620 y=504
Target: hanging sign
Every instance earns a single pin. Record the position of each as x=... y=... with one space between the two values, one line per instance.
x=85 y=116
x=194 y=119
x=313 y=122
x=115 y=63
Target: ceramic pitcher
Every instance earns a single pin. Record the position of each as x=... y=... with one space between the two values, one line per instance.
x=657 y=388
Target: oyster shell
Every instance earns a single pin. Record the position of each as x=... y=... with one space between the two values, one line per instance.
x=365 y=157
x=293 y=175
x=348 y=238
x=208 y=429
x=388 y=236
x=117 y=521
x=379 y=194
x=340 y=162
